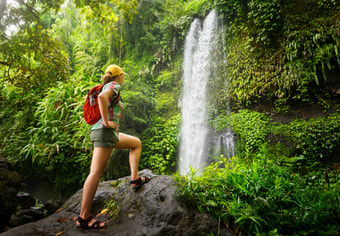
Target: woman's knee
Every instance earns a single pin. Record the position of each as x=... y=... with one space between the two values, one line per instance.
x=128 y=142
x=138 y=143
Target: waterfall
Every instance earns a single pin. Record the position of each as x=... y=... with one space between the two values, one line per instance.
x=224 y=144
x=199 y=65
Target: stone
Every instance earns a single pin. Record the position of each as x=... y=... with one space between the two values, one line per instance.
x=10 y=182
x=153 y=210
x=25 y=200
x=35 y=213
x=52 y=206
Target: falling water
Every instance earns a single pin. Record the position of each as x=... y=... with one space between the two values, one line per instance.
x=224 y=144
x=198 y=66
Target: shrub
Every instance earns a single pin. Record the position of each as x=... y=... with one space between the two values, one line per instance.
x=159 y=151
x=251 y=129
x=316 y=139
x=313 y=140
x=59 y=145
x=263 y=198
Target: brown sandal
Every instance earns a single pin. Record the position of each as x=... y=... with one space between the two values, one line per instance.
x=139 y=182
x=84 y=224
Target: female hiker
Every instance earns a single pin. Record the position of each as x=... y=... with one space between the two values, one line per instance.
x=105 y=136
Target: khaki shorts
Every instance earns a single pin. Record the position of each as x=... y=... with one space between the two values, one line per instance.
x=103 y=137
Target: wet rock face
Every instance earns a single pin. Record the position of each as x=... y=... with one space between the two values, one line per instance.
x=153 y=210
x=10 y=182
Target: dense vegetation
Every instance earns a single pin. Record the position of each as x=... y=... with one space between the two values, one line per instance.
x=264 y=197
x=281 y=58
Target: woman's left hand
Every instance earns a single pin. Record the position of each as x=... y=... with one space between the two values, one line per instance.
x=112 y=124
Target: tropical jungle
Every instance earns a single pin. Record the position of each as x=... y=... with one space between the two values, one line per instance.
x=281 y=81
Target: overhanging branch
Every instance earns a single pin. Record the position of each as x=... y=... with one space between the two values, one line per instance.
x=4 y=63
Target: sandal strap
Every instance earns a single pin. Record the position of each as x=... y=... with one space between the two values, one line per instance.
x=84 y=223
x=95 y=225
x=137 y=181
x=146 y=179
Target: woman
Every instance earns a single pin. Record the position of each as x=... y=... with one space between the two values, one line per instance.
x=105 y=136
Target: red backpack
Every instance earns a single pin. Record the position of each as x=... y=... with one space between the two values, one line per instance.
x=91 y=110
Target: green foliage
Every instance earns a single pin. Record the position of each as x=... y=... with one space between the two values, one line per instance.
x=85 y=41
x=265 y=20
x=138 y=107
x=313 y=140
x=157 y=33
x=279 y=52
x=59 y=145
x=159 y=150
x=166 y=93
x=30 y=58
x=251 y=129
x=250 y=77
x=35 y=61
x=139 y=104
x=111 y=209
x=107 y=11
x=15 y=116
x=316 y=139
x=263 y=197
x=197 y=8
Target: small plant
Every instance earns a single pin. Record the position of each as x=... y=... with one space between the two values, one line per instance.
x=111 y=209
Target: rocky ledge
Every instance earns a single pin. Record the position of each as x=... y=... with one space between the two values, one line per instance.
x=151 y=211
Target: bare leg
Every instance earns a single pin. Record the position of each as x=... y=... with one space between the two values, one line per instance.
x=99 y=159
x=135 y=146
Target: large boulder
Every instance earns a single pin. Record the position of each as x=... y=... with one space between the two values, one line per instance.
x=152 y=210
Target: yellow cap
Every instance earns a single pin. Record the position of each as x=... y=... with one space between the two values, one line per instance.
x=115 y=70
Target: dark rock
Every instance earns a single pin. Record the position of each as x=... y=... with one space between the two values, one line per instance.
x=17 y=220
x=10 y=182
x=25 y=200
x=51 y=206
x=36 y=213
x=4 y=164
x=24 y=216
x=153 y=210
x=27 y=213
